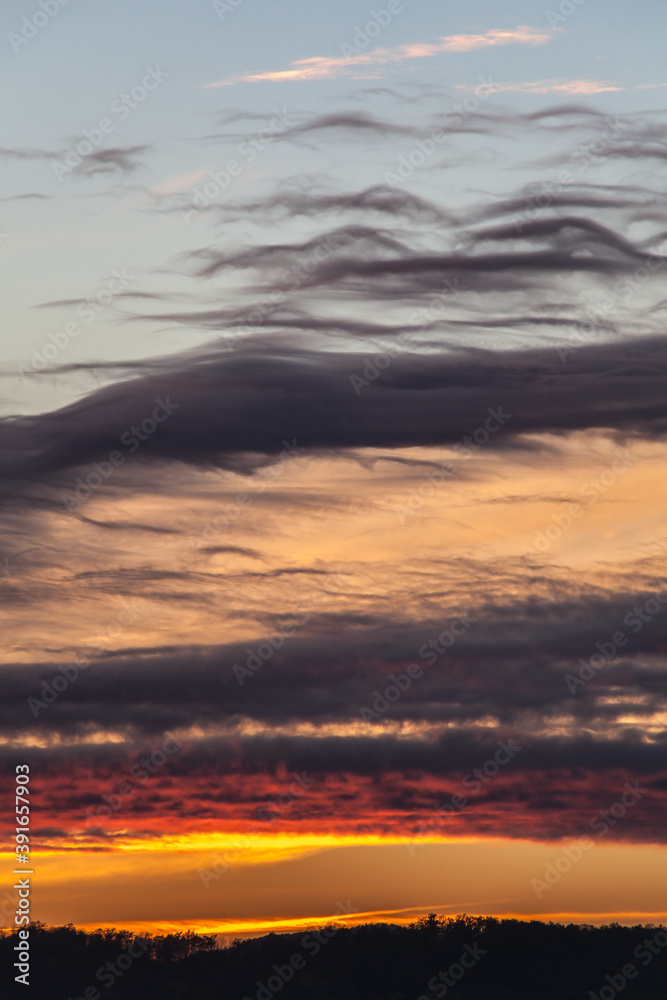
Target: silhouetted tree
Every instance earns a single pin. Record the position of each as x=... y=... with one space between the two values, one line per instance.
x=504 y=960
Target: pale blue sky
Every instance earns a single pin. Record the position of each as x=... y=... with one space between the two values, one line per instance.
x=66 y=78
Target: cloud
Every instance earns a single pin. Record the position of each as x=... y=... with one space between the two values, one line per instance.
x=291 y=376
x=215 y=550
x=462 y=311
x=176 y=183
x=307 y=200
x=558 y=87
x=21 y=197
x=365 y=64
x=503 y=679
x=124 y=159
x=121 y=158
x=640 y=132
x=26 y=154
x=231 y=410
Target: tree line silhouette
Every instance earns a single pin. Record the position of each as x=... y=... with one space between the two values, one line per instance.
x=456 y=958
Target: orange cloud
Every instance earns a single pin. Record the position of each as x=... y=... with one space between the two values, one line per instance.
x=320 y=67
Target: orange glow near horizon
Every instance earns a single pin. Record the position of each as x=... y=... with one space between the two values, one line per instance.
x=161 y=890
x=230 y=929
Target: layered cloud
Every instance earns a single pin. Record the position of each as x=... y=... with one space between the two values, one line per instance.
x=238 y=410
x=392 y=522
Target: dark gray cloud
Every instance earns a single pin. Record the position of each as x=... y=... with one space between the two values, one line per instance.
x=318 y=312
x=295 y=199
x=511 y=663
x=229 y=407
x=549 y=195
x=122 y=159
x=26 y=154
x=118 y=158
x=497 y=121
x=214 y=550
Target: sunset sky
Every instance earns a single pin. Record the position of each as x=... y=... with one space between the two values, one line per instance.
x=332 y=467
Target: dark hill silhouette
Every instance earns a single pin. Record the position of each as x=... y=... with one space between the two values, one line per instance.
x=460 y=958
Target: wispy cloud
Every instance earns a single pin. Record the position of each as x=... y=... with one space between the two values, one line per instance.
x=555 y=86
x=176 y=183
x=558 y=87
x=319 y=67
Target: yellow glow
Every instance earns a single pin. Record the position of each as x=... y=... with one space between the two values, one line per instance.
x=252 y=928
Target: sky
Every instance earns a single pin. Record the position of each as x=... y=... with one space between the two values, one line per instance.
x=333 y=438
